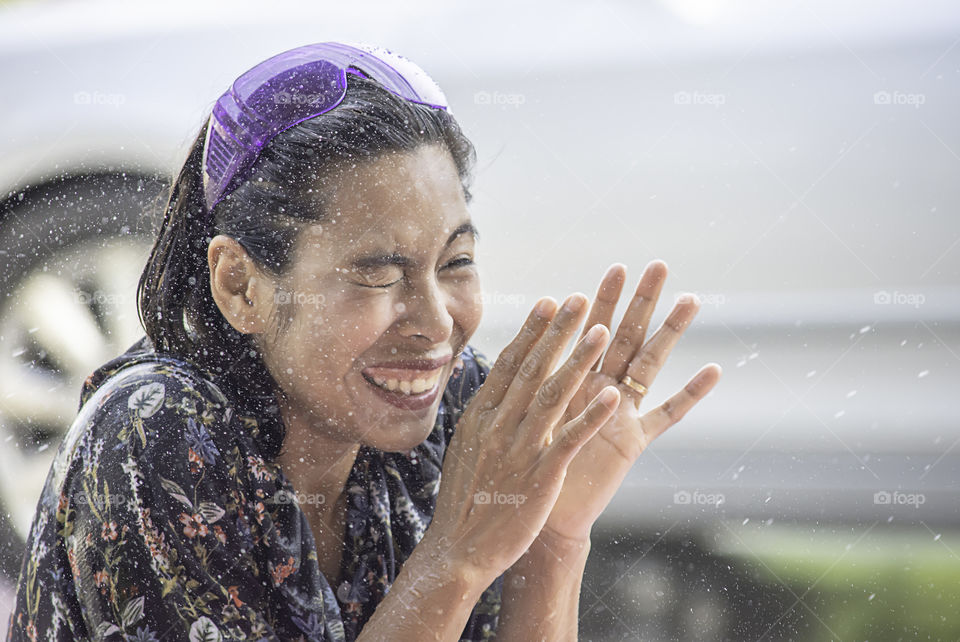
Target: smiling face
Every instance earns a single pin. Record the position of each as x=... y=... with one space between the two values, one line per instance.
x=383 y=291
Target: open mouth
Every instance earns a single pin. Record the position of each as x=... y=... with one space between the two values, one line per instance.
x=405 y=388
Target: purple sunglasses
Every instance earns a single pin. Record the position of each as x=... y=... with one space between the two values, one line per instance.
x=290 y=88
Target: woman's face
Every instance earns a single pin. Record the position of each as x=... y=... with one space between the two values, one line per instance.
x=386 y=279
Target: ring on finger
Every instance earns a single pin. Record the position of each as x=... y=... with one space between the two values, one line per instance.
x=630 y=382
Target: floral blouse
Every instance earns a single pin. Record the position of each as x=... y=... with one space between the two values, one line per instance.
x=161 y=519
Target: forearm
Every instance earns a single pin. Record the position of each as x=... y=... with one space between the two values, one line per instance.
x=541 y=591
x=431 y=599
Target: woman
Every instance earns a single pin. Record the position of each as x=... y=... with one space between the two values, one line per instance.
x=265 y=462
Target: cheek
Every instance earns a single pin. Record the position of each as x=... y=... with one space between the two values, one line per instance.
x=466 y=306
x=340 y=330
x=319 y=348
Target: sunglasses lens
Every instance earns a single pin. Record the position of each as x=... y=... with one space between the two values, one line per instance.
x=282 y=99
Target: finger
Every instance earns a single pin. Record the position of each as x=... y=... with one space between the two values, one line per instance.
x=608 y=294
x=656 y=422
x=649 y=360
x=633 y=328
x=541 y=360
x=552 y=398
x=490 y=395
x=574 y=434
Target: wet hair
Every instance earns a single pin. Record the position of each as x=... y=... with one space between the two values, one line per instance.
x=265 y=214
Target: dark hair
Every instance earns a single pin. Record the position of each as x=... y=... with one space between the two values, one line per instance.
x=265 y=214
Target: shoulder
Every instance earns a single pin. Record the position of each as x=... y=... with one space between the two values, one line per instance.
x=166 y=440
x=157 y=412
x=151 y=394
x=160 y=503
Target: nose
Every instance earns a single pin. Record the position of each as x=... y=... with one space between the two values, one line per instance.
x=424 y=311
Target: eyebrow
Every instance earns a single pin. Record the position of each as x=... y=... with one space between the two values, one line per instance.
x=379 y=260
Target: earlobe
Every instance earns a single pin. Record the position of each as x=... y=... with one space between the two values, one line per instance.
x=236 y=285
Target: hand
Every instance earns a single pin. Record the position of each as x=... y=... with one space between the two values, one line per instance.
x=601 y=465
x=506 y=462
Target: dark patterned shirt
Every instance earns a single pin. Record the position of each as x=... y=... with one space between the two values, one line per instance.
x=161 y=519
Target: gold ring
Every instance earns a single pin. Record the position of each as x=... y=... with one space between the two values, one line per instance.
x=627 y=380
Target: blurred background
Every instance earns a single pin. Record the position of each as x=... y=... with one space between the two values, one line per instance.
x=795 y=163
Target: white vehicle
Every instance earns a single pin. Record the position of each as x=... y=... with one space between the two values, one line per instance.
x=795 y=167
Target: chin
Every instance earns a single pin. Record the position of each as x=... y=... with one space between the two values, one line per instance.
x=403 y=442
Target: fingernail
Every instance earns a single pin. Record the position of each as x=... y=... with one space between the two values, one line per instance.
x=608 y=395
x=543 y=308
x=573 y=304
x=702 y=376
x=593 y=335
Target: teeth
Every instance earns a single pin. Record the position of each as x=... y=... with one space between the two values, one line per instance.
x=414 y=387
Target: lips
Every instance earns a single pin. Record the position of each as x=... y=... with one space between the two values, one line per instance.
x=405 y=381
x=413 y=384
x=414 y=364
x=411 y=401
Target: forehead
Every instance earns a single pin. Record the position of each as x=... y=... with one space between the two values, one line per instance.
x=407 y=201
x=398 y=197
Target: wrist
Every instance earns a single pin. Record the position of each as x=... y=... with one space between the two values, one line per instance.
x=541 y=591
x=440 y=591
x=434 y=556
x=551 y=542
x=551 y=549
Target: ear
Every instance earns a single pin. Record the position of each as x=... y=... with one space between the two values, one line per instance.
x=239 y=288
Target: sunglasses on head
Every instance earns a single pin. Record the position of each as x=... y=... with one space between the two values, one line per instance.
x=290 y=88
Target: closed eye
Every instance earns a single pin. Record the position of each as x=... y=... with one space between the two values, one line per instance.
x=463 y=261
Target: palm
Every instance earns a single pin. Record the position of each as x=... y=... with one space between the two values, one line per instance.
x=594 y=475
x=600 y=466
x=621 y=430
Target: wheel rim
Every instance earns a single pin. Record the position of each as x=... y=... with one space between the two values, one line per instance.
x=71 y=313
